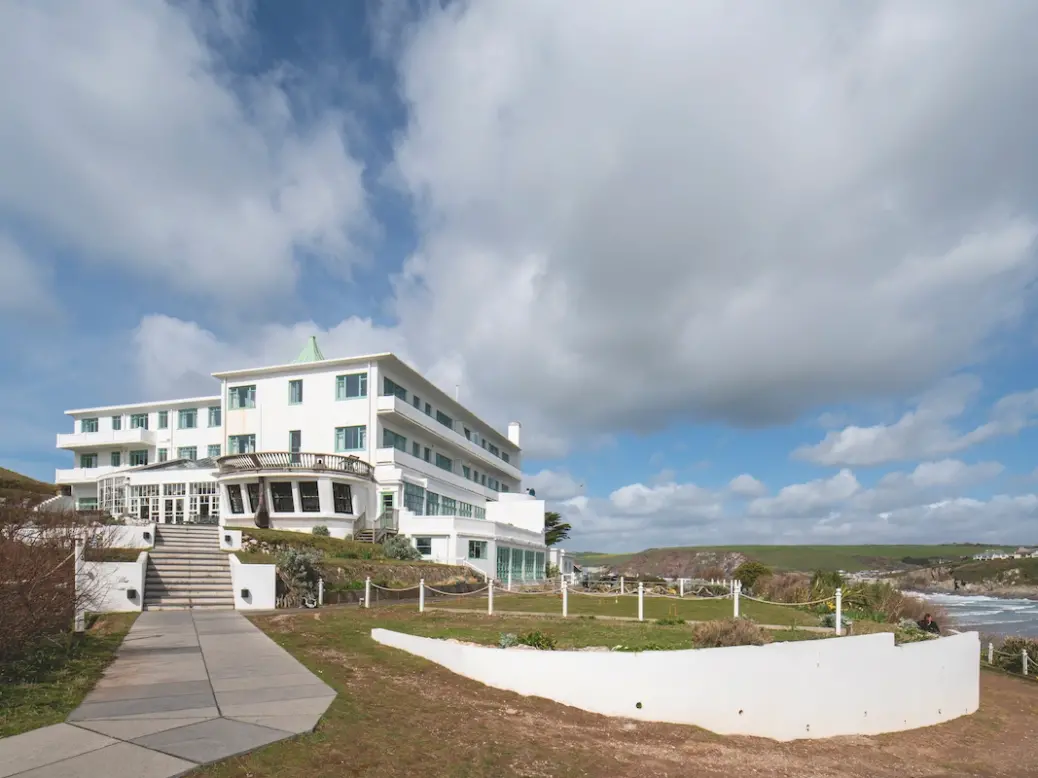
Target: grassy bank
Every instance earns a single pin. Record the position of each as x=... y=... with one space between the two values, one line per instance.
x=45 y=686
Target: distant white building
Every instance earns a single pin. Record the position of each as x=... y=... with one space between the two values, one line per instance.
x=365 y=446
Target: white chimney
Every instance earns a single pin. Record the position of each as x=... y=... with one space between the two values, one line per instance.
x=514 y=428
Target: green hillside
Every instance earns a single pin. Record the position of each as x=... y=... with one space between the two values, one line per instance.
x=15 y=487
x=848 y=558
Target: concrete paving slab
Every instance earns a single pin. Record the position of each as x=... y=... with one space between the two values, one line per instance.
x=299 y=724
x=46 y=745
x=211 y=740
x=120 y=708
x=130 y=728
x=121 y=759
x=145 y=690
x=263 y=682
x=210 y=712
x=314 y=706
x=276 y=694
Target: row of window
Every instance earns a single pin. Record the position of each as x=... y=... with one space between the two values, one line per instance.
x=422 y=502
x=350 y=386
x=187 y=419
x=392 y=439
x=391 y=388
x=138 y=458
x=519 y=564
x=282 y=497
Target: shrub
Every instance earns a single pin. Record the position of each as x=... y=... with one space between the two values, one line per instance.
x=670 y=622
x=300 y=571
x=729 y=632
x=1009 y=655
x=399 y=547
x=507 y=640
x=272 y=541
x=321 y=531
x=537 y=640
x=748 y=573
x=784 y=587
x=824 y=583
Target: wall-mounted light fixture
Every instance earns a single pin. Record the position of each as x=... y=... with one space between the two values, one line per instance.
x=245 y=594
x=131 y=594
x=147 y=535
x=227 y=539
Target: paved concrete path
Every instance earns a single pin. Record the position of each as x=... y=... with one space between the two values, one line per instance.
x=186 y=688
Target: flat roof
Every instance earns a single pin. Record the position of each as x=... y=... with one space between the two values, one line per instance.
x=157 y=404
x=345 y=362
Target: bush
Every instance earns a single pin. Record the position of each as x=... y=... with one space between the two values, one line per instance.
x=507 y=640
x=321 y=531
x=729 y=632
x=537 y=640
x=748 y=573
x=670 y=622
x=271 y=541
x=784 y=587
x=824 y=583
x=1009 y=655
x=300 y=571
x=399 y=547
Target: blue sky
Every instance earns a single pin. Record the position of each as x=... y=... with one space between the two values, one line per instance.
x=766 y=282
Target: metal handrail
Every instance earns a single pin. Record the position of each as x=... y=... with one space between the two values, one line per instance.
x=294 y=460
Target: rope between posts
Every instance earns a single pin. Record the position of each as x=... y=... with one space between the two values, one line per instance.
x=596 y=594
x=388 y=589
x=790 y=604
x=456 y=594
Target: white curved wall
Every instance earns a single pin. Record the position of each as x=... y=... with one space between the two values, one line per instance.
x=786 y=691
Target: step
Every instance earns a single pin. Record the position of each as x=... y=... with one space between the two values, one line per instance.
x=180 y=598
x=216 y=593
x=188 y=580
x=190 y=554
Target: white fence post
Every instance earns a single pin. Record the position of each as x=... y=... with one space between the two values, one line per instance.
x=681 y=587
x=735 y=598
x=320 y=591
x=839 y=611
x=421 y=595
x=490 y=597
x=641 y=602
x=509 y=579
x=991 y=653
x=565 y=600
x=621 y=584
x=80 y=615
x=367 y=592
x=1024 y=652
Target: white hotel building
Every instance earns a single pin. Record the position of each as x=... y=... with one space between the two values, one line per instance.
x=364 y=446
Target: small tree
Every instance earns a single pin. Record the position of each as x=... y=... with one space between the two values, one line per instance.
x=555 y=529
x=751 y=571
x=399 y=547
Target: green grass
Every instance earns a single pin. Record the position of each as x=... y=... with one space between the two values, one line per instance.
x=627 y=606
x=332 y=548
x=44 y=687
x=998 y=571
x=17 y=487
x=807 y=558
x=112 y=554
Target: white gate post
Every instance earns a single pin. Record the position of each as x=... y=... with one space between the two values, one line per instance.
x=509 y=579
x=641 y=602
x=490 y=597
x=565 y=600
x=735 y=598
x=421 y=595
x=621 y=584
x=1025 y=661
x=367 y=592
x=839 y=611
x=681 y=587
x=991 y=653
x=79 y=564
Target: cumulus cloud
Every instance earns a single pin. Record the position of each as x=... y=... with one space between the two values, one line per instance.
x=553 y=485
x=24 y=285
x=126 y=138
x=926 y=431
x=746 y=485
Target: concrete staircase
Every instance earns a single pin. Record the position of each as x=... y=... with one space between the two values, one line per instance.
x=187 y=569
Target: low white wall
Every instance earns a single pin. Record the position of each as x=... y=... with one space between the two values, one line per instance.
x=260 y=580
x=108 y=584
x=115 y=535
x=230 y=539
x=786 y=691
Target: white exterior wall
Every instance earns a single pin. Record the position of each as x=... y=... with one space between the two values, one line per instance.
x=259 y=580
x=784 y=691
x=108 y=584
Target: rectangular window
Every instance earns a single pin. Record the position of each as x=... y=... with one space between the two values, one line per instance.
x=86 y=504
x=479 y=512
x=448 y=506
x=468 y=434
x=241 y=444
x=504 y=487
x=477 y=549
x=416 y=449
x=428 y=409
x=351 y=386
x=427 y=454
x=493 y=449
x=503 y=562
x=163 y=420
x=187 y=452
x=117 y=422
x=466 y=471
x=424 y=546
x=504 y=456
x=234 y=495
x=530 y=565
x=342 y=498
x=242 y=397
x=117 y=457
x=483 y=479
x=295 y=441
x=444 y=419
x=281 y=497
x=414 y=498
x=538 y=566
x=138 y=458
x=444 y=463
x=465 y=509
x=351 y=438
x=213 y=451
x=391 y=388
x=391 y=439
x=214 y=415
x=163 y=454
x=138 y=421
x=416 y=401
x=295 y=391
x=432 y=504
x=187 y=419
x=88 y=461
x=309 y=497
x=88 y=425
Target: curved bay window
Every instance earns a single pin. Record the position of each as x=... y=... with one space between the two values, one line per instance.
x=309 y=497
x=281 y=497
x=342 y=497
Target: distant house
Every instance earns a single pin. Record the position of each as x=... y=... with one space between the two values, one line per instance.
x=1022 y=553
x=991 y=554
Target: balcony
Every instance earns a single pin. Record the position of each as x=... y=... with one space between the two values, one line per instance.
x=397 y=458
x=261 y=462
x=83 y=475
x=107 y=438
x=394 y=405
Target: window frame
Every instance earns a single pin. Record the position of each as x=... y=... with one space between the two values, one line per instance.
x=89 y=457
x=217 y=411
x=277 y=501
x=339 y=499
x=478 y=544
x=187 y=414
x=293 y=385
x=310 y=502
x=235 y=498
x=235 y=398
x=163 y=420
x=342 y=386
x=210 y=453
x=342 y=438
x=183 y=452
x=86 y=426
x=136 y=454
x=426 y=541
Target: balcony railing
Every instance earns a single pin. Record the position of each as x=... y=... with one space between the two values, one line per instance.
x=286 y=460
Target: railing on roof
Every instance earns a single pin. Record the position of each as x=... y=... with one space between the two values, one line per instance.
x=294 y=460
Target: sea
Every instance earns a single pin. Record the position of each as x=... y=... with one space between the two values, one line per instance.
x=989 y=615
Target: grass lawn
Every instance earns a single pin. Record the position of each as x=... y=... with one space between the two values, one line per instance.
x=398 y=716
x=689 y=609
x=45 y=687
x=113 y=554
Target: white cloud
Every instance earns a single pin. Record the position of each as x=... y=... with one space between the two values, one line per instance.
x=814 y=498
x=926 y=431
x=553 y=485
x=23 y=284
x=125 y=139
x=746 y=485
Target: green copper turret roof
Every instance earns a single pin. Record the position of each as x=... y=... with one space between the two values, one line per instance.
x=311 y=352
